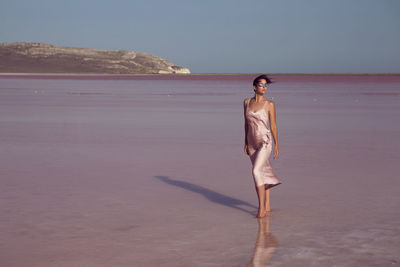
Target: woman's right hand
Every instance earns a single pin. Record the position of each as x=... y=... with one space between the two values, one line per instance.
x=246 y=150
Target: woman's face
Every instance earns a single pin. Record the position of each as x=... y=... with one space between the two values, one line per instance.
x=260 y=87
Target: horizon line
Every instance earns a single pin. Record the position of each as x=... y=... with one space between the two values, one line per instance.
x=201 y=73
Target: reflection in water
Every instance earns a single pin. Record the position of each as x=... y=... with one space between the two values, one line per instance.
x=266 y=244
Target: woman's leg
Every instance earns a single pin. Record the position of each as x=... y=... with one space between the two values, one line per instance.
x=267 y=203
x=261 y=201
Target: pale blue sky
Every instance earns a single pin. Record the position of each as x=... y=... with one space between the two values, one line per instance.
x=222 y=36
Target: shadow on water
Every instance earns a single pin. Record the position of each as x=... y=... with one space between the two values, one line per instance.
x=209 y=194
x=266 y=244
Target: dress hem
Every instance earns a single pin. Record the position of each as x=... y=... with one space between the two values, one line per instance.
x=267 y=186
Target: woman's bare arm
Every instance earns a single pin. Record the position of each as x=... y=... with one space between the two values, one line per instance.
x=274 y=128
x=245 y=126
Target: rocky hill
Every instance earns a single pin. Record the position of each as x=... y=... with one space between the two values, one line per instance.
x=24 y=57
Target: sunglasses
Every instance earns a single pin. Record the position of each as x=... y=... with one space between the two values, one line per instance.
x=262 y=84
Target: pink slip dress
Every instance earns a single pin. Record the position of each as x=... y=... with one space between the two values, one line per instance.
x=259 y=145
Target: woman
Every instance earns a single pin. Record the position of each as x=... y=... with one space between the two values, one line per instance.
x=258 y=141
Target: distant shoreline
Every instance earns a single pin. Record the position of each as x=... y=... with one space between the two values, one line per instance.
x=388 y=73
x=192 y=74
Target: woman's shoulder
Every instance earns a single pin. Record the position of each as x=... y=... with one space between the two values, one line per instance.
x=269 y=105
x=246 y=101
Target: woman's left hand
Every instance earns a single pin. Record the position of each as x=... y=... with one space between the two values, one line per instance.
x=276 y=151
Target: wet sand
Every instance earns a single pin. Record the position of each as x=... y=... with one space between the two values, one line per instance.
x=149 y=171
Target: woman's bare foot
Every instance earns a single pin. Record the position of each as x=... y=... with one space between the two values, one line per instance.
x=261 y=214
x=268 y=208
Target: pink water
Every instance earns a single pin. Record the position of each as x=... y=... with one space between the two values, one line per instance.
x=149 y=171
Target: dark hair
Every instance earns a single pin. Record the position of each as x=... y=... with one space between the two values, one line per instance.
x=261 y=77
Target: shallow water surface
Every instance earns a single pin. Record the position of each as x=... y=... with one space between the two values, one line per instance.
x=148 y=170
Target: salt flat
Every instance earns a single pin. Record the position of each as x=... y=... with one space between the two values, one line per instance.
x=150 y=171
